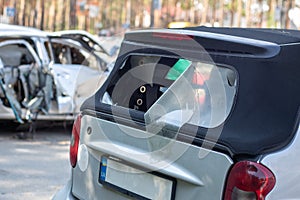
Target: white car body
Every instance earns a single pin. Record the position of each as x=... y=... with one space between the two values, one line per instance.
x=72 y=83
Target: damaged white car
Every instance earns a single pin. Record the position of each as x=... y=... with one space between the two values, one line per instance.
x=45 y=77
x=106 y=48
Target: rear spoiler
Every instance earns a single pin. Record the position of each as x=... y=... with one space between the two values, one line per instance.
x=213 y=43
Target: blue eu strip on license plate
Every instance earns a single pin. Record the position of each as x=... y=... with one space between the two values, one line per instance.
x=103 y=168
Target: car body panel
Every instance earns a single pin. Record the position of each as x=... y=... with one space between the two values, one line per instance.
x=285 y=166
x=73 y=84
x=14 y=28
x=65 y=193
x=200 y=178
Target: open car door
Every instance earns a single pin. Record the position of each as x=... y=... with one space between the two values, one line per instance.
x=77 y=72
x=26 y=86
x=89 y=41
x=105 y=49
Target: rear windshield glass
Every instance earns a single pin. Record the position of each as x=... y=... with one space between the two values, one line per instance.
x=174 y=90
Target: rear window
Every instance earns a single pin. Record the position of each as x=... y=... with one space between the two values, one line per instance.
x=173 y=90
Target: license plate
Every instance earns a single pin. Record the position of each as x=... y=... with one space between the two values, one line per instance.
x=120 y=176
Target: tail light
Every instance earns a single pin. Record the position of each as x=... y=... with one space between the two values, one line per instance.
x=173 y=36
x=249 y=180
x=75 y=141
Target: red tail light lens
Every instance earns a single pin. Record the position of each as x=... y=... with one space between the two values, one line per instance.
x=249 y=180
x=75 y=141
x=173 y=36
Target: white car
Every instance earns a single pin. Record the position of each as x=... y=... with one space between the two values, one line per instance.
x=44 y=76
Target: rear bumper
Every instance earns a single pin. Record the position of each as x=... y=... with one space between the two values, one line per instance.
x=197 y=171
x=65 y=193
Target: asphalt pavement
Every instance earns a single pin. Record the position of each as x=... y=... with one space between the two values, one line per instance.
x=35 y=168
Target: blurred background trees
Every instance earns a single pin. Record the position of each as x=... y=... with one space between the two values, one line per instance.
x=115 y=15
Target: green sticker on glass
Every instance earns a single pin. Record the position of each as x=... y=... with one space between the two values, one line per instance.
x=180 y=66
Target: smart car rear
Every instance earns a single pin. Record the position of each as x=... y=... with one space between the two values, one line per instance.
x=197 y=113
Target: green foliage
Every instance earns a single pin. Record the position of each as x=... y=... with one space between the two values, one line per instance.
x=186 y=5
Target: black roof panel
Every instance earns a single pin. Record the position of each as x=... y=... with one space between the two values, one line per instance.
x=277 y=36
x=266 y=112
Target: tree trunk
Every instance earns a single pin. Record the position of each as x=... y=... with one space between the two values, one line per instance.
x=86 y=20
x=1 y=6
x=104 y=12
x=72 y=14
x=214 y=13
x=175 y=10
x=121 y=13
x=63 y=16
x=34 y=13
x=232 y=11
x=24 y=7
x=128 y=11
x=288 y=5
x=54 y=16
x=221 y=20
x=205 y=11
x=248 y=13
x=152 y=17
x=239 y=12
x=28 y=18
x=271 y=13
x=16 y=16
x=42 y=14
x=261 y=14
x=47 y=25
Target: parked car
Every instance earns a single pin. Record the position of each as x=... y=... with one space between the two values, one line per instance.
x=45 y=76
x=195 y=113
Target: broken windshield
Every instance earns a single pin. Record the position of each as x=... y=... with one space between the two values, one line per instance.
x=174 y=91
x=202 y=95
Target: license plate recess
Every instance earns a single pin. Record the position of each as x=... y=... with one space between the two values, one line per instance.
x=134 y=181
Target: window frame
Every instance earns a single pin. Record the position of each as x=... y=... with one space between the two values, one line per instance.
x=114 y=79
